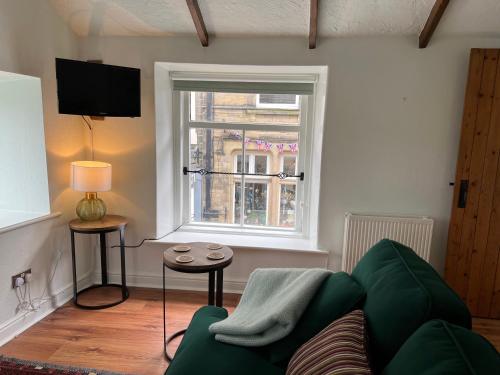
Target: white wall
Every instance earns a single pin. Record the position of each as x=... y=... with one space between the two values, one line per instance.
x=31 y=36
x=391 y=133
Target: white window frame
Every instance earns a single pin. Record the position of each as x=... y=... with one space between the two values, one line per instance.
x=251 y=179
x=260 y=104
x=170 y=136
x=282 y=162
x=251 y=162
x=187 y=123
x=279 y=198
x=254 y=180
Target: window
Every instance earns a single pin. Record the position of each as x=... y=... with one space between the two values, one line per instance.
x=224 y=133
x=287 y=191
x=287 y=205
x=24 y=193
x=289 y=164
x=256 y=202
x=243 y=108
x=253 y=163
x=278 y=101
x=229 y=135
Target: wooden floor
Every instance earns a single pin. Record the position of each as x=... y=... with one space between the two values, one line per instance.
x=128 y=338
x=489 y=328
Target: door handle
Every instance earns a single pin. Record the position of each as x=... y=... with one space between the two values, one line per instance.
x=462 y=195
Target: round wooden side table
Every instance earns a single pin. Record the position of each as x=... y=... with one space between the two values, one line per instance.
x=109 y=223
x=200 y=264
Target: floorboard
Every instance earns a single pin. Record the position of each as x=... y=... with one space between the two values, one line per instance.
x=128 y=338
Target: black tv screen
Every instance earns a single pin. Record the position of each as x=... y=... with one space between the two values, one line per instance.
x=93 y=89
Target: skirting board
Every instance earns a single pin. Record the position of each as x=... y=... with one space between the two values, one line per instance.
x=179 y=283
x=18 y=324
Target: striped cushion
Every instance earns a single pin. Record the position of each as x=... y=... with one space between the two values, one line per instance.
x=338 y=349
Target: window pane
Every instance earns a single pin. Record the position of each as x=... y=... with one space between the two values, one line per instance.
x=237 y=202
x=211 y=196
x=274 y=146
x=255 y=203
x=243 y=108
x=283 y=101
x=268 y=201
x=287 y=205
x=238 y=163
x=289 y=165
x=260 y=164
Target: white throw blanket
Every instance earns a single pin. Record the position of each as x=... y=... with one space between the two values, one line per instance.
x=271 y=304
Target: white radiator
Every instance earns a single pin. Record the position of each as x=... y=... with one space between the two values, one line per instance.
x=361 y=232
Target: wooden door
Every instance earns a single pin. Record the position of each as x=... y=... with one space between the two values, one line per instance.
x=472 y=262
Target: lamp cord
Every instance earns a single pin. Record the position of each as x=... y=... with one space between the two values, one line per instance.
x=148 y=239
x=91 y=137
x=145 y=239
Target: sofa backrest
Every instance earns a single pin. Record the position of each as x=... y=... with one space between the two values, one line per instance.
x=402 y=292
x=442 y=348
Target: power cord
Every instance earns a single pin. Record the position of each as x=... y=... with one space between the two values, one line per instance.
x=148 y=239
x=23 y=292
x=42 y=298
x=91 y=136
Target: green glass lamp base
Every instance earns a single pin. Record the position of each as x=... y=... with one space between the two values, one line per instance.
x=91 y=208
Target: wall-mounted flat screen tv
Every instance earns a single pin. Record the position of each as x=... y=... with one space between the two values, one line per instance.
x=93 y=89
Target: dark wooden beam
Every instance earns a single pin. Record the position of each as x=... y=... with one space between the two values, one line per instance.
x=313 y=24
x=194 y=9
x=432 y=22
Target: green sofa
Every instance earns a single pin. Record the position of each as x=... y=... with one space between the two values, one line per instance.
x=416 y=324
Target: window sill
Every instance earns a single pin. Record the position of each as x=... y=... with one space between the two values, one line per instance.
x=243 y=241
x=11 y=220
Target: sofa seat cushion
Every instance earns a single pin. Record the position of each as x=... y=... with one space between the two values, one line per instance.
x=402 y=292
x=441 y=348
x=338 y=295
x=199 y=353
x=339 y=349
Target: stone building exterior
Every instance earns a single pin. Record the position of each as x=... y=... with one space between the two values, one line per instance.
x=217 y=198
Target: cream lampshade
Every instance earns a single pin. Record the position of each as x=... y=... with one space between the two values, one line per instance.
x=91 y=177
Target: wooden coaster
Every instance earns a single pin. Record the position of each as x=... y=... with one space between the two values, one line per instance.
x=181 y=248
x=184 y=259
x=214 y=246
x=215 y=255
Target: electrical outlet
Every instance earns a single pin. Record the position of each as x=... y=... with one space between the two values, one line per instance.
x=21 y=275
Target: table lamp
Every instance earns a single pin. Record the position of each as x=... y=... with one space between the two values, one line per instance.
x=90 y=177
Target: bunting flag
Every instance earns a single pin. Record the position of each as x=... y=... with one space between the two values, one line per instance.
x=265 y=145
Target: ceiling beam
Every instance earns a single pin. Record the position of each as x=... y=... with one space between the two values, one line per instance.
x=432 y=22
x=194 y=9
x=313 y=24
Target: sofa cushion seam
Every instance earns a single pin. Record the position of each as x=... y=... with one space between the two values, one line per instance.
x=422 y=286
x=458 y=347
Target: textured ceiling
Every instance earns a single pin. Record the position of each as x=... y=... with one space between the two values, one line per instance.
x=275 y=17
